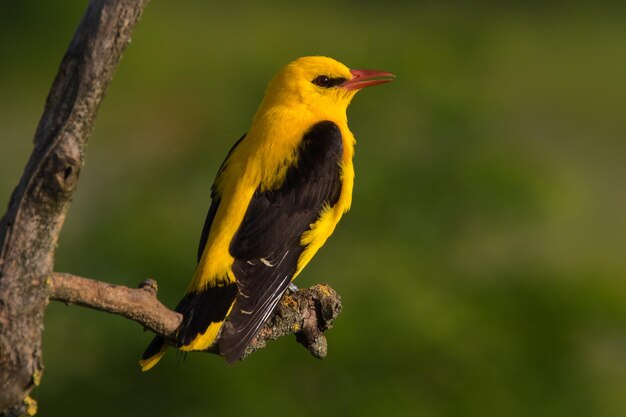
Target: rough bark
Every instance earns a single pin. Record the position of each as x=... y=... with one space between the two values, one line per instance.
x=307 y=313
x=37 y=208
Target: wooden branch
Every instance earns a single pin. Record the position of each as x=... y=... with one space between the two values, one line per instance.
x=30 y=228
x=137 y=304
x=307 y=313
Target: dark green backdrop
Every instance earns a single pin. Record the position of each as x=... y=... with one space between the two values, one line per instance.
x=482 y=266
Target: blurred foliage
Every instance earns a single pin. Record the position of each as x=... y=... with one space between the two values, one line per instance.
x=482 y=266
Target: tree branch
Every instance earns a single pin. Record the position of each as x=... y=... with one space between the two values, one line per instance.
x=30 y=228
x=137 y=304
x=307 y=313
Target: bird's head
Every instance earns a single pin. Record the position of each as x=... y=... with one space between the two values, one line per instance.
x=320 y=83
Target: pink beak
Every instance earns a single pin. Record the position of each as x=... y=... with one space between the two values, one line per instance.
x=367 y=78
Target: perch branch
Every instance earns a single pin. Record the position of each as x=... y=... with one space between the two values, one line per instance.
x=307 y=313
x=137 y=304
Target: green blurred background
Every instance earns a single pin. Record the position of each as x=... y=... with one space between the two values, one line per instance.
x=482 y=267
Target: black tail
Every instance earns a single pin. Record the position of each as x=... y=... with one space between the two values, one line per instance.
x=200 y=310
x=153 y=353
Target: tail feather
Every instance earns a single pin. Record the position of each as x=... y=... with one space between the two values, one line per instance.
x=153 y=353
x=203 y=313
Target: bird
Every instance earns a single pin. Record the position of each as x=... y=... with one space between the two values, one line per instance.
x=276 y=199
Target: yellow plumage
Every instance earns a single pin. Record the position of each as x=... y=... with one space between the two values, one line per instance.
x=263 y=164
x=287 y=112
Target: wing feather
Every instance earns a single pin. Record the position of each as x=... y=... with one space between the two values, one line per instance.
x=267 y=245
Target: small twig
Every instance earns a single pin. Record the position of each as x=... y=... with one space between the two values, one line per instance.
x=307 y=313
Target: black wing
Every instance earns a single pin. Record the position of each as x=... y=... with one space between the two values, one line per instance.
x=267 y=246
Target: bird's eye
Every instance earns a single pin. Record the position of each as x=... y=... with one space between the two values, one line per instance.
x=322 y=81
x=325 y=81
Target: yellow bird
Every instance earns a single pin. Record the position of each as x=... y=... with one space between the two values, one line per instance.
x=276 y=199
